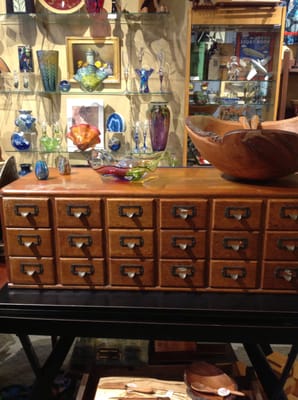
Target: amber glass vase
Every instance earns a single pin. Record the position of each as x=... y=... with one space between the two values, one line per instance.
x=159 y=125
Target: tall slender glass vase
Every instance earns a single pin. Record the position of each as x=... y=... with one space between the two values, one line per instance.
x=48 y=65
x=159 y=125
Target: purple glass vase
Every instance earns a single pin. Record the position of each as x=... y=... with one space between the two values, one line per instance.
x=159 y=125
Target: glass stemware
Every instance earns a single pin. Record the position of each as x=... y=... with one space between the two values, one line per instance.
x=145 y=134
x=161 y=76
x=126 y=77
x=160 y=57
x=136 y=137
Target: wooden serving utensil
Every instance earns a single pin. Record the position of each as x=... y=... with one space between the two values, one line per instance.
x=254 y=122
x=222 y=391
x=244 y=122
x=129 y=387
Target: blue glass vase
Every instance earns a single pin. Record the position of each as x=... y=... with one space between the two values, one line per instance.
x=41 y=170
x=144 y=75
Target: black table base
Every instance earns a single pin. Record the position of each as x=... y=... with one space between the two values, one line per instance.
x=256 y=320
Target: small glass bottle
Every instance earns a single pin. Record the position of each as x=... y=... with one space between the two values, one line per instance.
x=57 y=136
x=90 y=57
x=45 y=140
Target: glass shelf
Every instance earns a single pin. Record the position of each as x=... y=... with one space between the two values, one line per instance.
x=79 y=17
x=76 y=92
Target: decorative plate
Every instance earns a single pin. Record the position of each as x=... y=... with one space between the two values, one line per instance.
x=62 y=6
x=115 y=123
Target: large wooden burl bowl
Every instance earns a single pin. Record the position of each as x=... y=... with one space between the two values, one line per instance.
x=266 y=153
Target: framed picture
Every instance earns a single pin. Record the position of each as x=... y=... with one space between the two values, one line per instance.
x=20 y=7
x=25 y=59
x=82 y=111
x=106 y=51
x=258 y=46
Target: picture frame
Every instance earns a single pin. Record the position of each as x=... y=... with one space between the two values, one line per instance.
x=106 y=50
x=80 y=111
x=20 y=7
x=255 y=45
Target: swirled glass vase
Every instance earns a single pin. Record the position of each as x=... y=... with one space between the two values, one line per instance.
x=159 y=125
x=41 y=170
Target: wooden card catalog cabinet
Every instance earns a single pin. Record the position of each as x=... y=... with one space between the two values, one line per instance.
x=188 y=229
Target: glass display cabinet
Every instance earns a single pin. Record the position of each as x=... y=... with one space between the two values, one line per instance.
x=234 y=63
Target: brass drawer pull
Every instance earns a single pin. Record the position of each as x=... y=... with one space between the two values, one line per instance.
x=289 y=212
x=183 y=212
x=288 y=274
x=131 y=271
x=78 y=211
x=182 y=271
x=30 y=269
x=130 y=211
x=79 y=241
x=29 y=240
x=237 y=213
x=235 y=244
x=234 y=273
x=26 y=210
x=131 y=241
x=77 y=269
x=287 y=244
x=183 y=242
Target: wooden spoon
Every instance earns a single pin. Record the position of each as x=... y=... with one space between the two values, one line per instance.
x=222 y=391
x=254 y=122
x=244 y=122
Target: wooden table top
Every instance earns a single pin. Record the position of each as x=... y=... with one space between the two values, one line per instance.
x=168 y=182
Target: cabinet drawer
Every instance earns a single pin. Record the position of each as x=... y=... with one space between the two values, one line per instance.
x=26 y=212
x=280 y=275
x=81 y=271
x=182 y=273
x=282 y=214
x=80 y=242
x=29 y=242
x=132 y=272
x=281 y=246
x=234 y=274
x=32 y=271
x=78 y=213
x=131 y=243
x=124 y=213
x=237 y=214
x=235 y=245
x=182 y=244
x=184 y=214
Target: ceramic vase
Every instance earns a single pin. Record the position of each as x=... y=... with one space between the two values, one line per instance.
x=159 y=125
x=48 y=65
